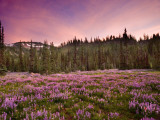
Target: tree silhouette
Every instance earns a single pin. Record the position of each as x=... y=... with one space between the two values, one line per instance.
x=2 y=48
x=45 y=59
x=31 y=68
x=21 y=58
x=125 y=34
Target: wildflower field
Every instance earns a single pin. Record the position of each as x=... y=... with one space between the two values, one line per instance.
x=97 y=95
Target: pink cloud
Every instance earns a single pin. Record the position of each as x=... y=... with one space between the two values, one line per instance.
x=61 y=21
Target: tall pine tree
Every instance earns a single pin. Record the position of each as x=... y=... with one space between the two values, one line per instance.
x=45 y=59
x=52 y=58
x=31 y=68
x=2 y=47
x=21 y=63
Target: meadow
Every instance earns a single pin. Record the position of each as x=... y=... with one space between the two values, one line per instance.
x=81 y=95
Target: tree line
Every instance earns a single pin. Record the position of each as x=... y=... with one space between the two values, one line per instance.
x=122 y=52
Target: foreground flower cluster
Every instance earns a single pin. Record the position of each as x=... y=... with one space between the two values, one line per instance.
x=98 y=95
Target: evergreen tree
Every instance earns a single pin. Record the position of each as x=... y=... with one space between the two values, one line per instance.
x=45 y=59
x=8 y=60
x=26 y=61
x=2 y=47
x=52 y=58
x=36 y=61
x=75 y=53
x=122 y=59
x=21 y=65
x=12 y=64
x=82 y=59
x=87 y=59
x=31 y=68
x=124 y=51
x=99 y=56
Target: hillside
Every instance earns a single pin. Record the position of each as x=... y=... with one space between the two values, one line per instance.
x=26 y=44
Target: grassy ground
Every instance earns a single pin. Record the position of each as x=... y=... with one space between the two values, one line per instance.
x=97 y=95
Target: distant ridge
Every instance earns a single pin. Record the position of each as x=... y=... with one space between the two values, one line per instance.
x=26 y=44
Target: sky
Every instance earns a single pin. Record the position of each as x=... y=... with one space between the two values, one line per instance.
x=58 y=21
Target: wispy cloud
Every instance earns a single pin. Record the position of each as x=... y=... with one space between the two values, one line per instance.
x=59 y=21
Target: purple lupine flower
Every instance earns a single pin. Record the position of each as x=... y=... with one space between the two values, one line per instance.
x=88 y=114
x=114 y=114
x=4 y=116
x=32 y=115
x=146 y=118
x=39 y=113
x=9 y=103
x=90 y=106
x=27 y=117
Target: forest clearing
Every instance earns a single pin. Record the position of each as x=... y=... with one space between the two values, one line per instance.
x=79 y=60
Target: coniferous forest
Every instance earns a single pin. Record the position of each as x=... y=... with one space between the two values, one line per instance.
x=112 y=52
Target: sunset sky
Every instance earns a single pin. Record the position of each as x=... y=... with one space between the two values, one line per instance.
x=60 y=20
